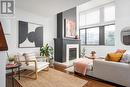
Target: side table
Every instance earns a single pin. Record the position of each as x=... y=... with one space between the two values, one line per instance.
x=12 y=67
x=91 y=57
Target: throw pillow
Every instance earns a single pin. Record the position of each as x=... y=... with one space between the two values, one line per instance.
x=125 y=58
x=120 y=51
x=114 y=57
x=28 y=57
x=19 y=58
x=127 y=52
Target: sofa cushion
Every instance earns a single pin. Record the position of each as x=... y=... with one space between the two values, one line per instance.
x=114 y=57
x=125 y=58
x=120 y=51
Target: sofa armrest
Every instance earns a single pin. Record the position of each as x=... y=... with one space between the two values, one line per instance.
x=112 y=71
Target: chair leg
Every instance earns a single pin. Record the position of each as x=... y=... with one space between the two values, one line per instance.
x=48 y=68
x=36 y=75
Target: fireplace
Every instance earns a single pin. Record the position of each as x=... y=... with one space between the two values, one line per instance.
x=64 y=49
x=72 y=52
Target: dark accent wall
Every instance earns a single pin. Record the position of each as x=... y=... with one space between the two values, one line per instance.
x=61 y=41
x=3 y=43
x=68 y=14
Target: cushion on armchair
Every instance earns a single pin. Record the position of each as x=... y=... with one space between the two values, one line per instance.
x=20 y=57
x=29 y=57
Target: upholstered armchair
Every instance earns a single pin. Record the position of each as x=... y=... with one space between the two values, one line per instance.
x=29 y=62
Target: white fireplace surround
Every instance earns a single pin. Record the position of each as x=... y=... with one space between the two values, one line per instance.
x=68 y=46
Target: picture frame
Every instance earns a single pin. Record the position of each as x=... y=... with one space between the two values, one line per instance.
x=30 y=35
x=69 y=28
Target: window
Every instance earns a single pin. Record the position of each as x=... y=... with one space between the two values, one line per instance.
x=97 y=26
x=92 y=36
x=82 y=36
x=82 y=20
x=92 y=17
x=109 y=13
x=109 y=35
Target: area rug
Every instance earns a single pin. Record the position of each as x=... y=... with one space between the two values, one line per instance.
x=53 y=78
x=70 y=69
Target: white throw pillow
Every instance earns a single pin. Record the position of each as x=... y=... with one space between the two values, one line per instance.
x=29 y=57
x=20 y=57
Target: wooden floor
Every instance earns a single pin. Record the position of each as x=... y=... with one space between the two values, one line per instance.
x=9 y=82
x=92 y=82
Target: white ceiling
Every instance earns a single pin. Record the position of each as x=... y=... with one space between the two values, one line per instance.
x=47 y=7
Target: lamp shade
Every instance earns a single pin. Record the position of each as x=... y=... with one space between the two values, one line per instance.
x=3 y=43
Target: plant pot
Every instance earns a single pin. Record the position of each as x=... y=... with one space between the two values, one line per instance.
x=51 y=61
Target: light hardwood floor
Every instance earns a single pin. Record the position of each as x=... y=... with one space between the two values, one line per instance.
x=92 y=82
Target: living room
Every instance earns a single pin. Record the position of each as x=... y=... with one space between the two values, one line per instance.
x=54 y=18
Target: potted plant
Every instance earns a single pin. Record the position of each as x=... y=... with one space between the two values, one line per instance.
x=83 y=52
x=47 y=52
x=11 y=60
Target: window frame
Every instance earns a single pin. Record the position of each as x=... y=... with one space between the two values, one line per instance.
x=101 y=35
x=102 y=23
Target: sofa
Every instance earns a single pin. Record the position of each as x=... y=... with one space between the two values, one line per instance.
x=115 y=72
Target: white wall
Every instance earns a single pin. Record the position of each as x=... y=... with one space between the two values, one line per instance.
x=49 y=30
x=122 y=20
x=49 y=33
x=2 y=69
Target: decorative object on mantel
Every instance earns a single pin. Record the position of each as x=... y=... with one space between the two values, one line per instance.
x=76 y=37
x=30 y=35
x=125 y=35
x=70 y=28
x=47 y=52
x=3 y=43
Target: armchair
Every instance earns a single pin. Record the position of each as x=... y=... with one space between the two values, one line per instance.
x=29 y=62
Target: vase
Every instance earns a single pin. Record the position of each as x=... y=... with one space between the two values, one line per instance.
x=11 y=62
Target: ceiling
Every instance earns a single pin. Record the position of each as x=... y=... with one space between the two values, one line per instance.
x=47 y=7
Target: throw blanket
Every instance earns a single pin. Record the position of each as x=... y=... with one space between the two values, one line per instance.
x=81 y=65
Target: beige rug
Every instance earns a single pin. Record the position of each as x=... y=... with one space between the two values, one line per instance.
x=53 y=78
x=70 y=69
